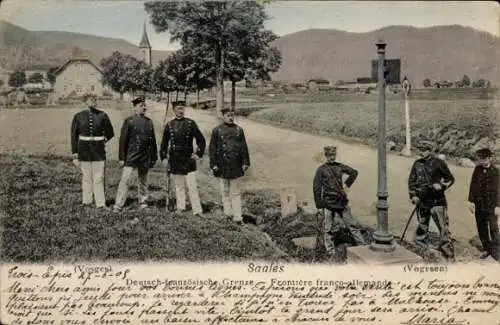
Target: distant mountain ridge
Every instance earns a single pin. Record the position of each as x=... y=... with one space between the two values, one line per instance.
x=438 y=53
x=19 y=46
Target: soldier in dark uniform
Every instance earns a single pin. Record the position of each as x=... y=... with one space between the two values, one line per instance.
x=138 y=151
x=229 y=160
x=330 y=196
x=429 y=178
x=484 y=202
x=177 y=153
x=90 y=130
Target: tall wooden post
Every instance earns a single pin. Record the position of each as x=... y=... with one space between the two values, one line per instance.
x=382 y=239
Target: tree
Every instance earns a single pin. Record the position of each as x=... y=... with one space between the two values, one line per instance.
x=51 y=75
x=465 y=82
x=427 y=83
x=125 y=73
x=35 y=78
x=216 y=25
x=17 y=78
x=480 y=83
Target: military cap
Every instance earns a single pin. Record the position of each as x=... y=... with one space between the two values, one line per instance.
x=426 y=145
x=179 y=103
x=139 y=99
x=484 y=153
x=330 y=150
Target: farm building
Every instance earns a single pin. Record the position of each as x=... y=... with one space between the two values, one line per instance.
x=77 y=76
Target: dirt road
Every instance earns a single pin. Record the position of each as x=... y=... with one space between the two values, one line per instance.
x=283 y=158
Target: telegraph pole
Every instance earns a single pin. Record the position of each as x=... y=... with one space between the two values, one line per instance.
x=382 y=239
x=406 y=88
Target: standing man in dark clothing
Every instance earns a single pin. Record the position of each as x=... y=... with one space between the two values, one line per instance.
x=138 y=151
x=90 y=130
x=484 y=202
x=229 y=160
x=330 y=195
x=178 y=154
x=429 y=178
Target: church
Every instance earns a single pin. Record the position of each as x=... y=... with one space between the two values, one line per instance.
x=79 y=74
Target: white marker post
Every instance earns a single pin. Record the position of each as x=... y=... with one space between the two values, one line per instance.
x=406 y=87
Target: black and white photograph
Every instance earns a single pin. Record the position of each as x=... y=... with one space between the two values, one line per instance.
x=316 y=132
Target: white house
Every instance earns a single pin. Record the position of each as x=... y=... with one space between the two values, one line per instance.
x=78 y=76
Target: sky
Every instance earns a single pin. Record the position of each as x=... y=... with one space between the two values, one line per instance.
x=124 y=19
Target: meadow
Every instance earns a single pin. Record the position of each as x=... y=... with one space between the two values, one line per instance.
x=42 y=219
x=358 y=120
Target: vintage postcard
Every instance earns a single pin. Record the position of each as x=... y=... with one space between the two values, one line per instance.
x=249 y=162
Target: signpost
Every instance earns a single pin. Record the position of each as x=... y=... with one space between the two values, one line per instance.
x=406 y=88
x=382 y=239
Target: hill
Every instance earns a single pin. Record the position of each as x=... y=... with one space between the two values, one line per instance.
x=52 y=48
x=438 y=53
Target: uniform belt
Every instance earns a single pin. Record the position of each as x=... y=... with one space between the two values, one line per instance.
x=85 y=138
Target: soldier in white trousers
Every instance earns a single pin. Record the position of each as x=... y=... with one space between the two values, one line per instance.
x=229 y=160
x=90 y=130
x=178 y=155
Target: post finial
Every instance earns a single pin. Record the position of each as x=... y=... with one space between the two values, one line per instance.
x=380 y=44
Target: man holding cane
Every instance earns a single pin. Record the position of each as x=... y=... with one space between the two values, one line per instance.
x=429 y=178
x=90 y=130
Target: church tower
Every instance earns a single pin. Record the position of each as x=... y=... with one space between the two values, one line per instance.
x=145 y=47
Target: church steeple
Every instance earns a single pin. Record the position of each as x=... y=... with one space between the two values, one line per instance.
x=145 y=47
x=144 y=40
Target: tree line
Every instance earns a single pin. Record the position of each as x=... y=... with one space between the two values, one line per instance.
x=465 y=82
x=223 y=40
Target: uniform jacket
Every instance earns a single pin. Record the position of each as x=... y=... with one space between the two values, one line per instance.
x=228 y=151
x=138 y=142
x=177 y=145
x=424 y=173
x=328 y=188
x=483 y=191
x=90 y=130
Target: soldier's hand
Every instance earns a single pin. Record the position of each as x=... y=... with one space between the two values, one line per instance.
x=215 y=168
x=195 y=156
x=76 y=162
x=472 y=207
x=415 y=200
x=437 y=186
x=245 y=168
x=122 y=163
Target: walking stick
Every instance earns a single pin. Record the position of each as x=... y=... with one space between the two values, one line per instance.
x=408 y=223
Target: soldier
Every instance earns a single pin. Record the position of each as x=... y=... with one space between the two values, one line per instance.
x=177 y=153
x=429 y=178
x=90 y=130
x=484 y=202
x=137 y=151
x=229 y=160
x=330 y=196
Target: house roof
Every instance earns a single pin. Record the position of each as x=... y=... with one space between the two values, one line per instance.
x=67 y=63
x=144 y=39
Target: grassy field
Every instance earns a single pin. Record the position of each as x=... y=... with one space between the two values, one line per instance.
x=42 y=220
x=359 y=120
